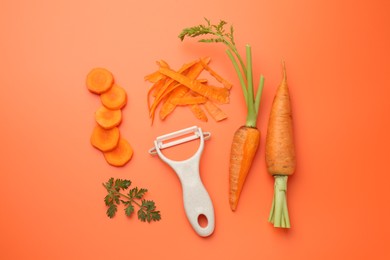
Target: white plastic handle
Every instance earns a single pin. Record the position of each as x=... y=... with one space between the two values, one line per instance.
x=196 y=199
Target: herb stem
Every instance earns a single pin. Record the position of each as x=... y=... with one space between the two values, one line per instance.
x=123 y=195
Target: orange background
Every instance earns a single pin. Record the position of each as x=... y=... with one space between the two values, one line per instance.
x=337 y=57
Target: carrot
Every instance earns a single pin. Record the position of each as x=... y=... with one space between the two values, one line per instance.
x=105 y=139
x=99 y=80
x=108 y=118
x=120 y=155
x=280 y=152
x=247 y=138
x=244 y=146
x=114 y=98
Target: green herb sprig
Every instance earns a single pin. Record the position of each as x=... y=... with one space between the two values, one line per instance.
x=147 y=208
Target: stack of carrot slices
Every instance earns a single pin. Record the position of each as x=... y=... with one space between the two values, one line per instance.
x=106 y=136
x=183 y=88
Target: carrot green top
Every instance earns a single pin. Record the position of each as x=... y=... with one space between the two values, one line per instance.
x=244 y=71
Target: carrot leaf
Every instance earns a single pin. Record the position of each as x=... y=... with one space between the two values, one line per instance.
x=218 y=34
x=147 y=208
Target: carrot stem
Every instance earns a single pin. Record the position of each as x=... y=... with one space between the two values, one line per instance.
x=279 y=211
x=258 y=93
x=239 y=74
x=251 y=115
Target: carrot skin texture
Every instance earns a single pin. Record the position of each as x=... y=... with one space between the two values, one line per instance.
x=245 y=143
x=279 y=148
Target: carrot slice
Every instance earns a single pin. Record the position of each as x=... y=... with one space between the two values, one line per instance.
x=220 y=95
x=215 y=111
x=105 y=139
x=120 y=155
x=114 y=98
x=108 y=118
x=99 y=80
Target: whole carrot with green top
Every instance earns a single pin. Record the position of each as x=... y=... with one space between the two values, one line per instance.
x=280 y=152
x=246 y=139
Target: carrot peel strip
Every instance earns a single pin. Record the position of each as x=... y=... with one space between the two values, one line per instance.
x=213 y=73
x=215 y=111
x=220 y=95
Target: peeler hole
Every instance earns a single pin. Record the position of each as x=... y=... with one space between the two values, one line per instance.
x=202 y=221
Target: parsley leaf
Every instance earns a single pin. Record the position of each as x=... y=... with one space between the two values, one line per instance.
x=147 y=208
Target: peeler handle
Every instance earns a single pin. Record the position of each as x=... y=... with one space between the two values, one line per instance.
x=196 y=199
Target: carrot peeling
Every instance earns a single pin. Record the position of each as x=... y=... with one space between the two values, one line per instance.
x=217 y=113
x=189 y=100
x=220 y=95
x=225 y=83
x=280 y=152
x=183 y=88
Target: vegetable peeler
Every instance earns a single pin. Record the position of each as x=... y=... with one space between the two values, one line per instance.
x=197 y=202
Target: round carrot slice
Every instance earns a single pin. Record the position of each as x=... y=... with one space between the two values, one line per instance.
x=108 y=118
x=114 y=98
x=121 y=154
x=99 y=80
x=105 y=139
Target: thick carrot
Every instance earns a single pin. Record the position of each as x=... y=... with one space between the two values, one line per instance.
x=280 y=152
x=120 y=155
x=99 y=80
x=105 y=139
x=114 y=98
x=246 y=139
x=108 y=118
